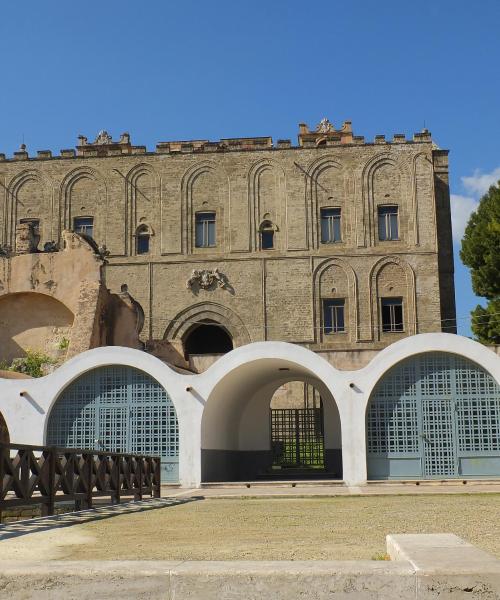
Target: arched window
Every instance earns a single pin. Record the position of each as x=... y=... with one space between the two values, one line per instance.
x=142 y=239
x=266 y=235
x=117 y=409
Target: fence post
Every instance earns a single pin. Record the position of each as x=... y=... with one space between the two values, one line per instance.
x=89 y=471
x=115 y=479
x=138 y=492
x=157 y=481
x=48 y=509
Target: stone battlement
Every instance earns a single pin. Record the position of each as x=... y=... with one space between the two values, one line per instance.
x=323 y=135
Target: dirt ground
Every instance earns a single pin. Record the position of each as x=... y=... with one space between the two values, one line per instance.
x=273 y=528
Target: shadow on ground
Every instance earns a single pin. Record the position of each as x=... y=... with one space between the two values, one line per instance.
x=19 y=528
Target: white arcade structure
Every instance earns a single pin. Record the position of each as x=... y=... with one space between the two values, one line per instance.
x=426 y=407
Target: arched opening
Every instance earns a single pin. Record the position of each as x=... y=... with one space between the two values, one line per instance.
x=207 y=337
x=33 y=321
x=433 y=416
x=297 y=430
x=4 y=431
x=117 y=409
x=142 y=240
x=259 y=423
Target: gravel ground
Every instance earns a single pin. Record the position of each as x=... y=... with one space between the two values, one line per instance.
x=284 y=528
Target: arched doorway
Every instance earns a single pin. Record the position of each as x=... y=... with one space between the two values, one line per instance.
x=434 y=415
x=297 y=430
x=117 y=409
x=4 y=431
x=240 y=441
x=207 y=337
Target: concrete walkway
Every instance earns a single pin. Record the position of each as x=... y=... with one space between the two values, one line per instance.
x=333 y=488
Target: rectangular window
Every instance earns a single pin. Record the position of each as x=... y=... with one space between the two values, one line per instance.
x=388 y=223
x=334 y=315
x=205 y=230
x=34 y=222
x=84 y=225
x=330 y=225
x=267 y=239
x=392 y=314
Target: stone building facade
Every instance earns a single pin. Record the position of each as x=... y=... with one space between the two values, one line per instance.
x=337 y=244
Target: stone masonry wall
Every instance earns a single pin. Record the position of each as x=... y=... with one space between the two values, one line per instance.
x=271 y=294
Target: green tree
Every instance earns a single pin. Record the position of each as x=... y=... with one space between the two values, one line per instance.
x=481 y=253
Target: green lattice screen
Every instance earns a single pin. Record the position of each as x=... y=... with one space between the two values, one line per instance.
x=118 y=409
x=434 y=415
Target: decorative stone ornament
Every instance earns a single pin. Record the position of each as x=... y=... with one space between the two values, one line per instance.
x=324 y=126
x=206 y=279
x=103 y=137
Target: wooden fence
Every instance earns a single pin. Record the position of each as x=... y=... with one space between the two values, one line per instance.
x=44 y=475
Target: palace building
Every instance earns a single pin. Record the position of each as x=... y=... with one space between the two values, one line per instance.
x=307 y=265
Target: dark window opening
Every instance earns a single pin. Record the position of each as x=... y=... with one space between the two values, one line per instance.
x=334 y=315
x=207 y=338
x=330 y=226
x=84 y=225
x=205 y=230
x=142 y=240
x=266 y=236
x=392 y=314
x=388 y=223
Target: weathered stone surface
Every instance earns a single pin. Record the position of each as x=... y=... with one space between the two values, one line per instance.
x=271 y=294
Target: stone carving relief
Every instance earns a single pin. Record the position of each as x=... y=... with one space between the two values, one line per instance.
x=206 y=279
x=324 y=126
x=103 y=137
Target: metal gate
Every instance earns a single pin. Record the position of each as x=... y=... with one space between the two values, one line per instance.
x=117 y=409
x=435 y=415
x=297 y=438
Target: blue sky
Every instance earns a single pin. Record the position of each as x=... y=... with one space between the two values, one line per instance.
x=166 y=70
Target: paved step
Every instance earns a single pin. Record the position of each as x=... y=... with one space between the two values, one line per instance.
x=274 y=483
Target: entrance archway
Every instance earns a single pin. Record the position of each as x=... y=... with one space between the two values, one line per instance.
x=236 y=431
x=208 y=337
x=4 y=431
x=117 y=409
x=434 y=415
x=298 y=433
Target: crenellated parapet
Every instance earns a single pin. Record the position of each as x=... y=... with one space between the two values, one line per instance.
x=324 y=134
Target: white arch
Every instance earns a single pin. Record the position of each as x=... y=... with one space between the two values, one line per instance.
x=27 y=415
x=238 y=389
x=242 y=372
x=422 y=343
x=367 y=378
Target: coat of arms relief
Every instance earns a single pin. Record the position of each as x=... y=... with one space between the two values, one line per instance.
x=207 y=279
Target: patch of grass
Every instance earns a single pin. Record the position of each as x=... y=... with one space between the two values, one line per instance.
x=381 y=556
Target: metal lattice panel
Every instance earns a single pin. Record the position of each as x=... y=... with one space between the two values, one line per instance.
x=393 y=417
x=297 y=437
x=119 y=409
x=436 y=410
x=437 y=436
